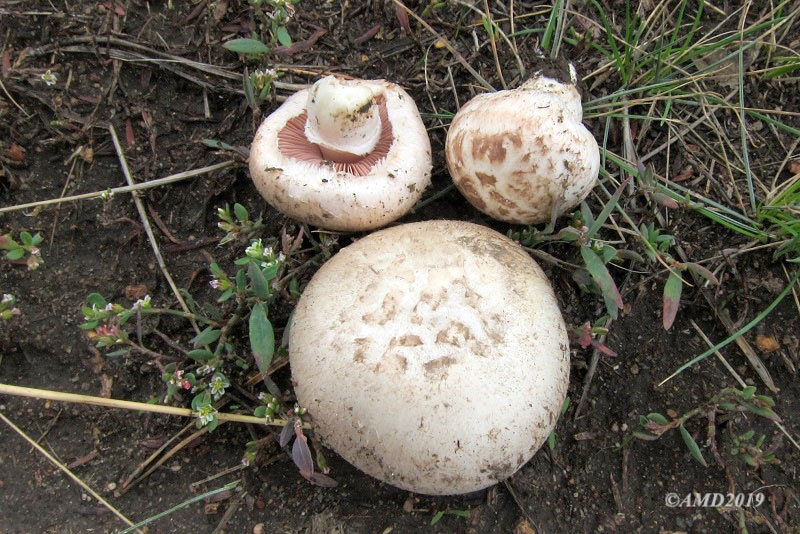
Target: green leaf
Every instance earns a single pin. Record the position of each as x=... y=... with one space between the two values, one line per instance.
x=766 y=400
x=609 y=253
x=96 y=300
x=672 y=299
x=488 y=27
x=228 y=293
x=37 y=239
x=246 y=46
x=657 y=418
x=241 y=280
x=207 y=336
x=15 y=254
x=240 y=212
x=610 y=205
x=702 y=271
x=762 y=411
x=283 y=36
x=216 y=270
x=201 y=355
x=748 y=392
x=262 y=337
x=551 y=441
x=602 y=278
x=213 y=424
x=26 y=238
x=258 y=282
x=437 y=517
x=691 y=444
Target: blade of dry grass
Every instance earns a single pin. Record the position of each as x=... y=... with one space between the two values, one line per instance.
x=59 y=396
x=125 y=189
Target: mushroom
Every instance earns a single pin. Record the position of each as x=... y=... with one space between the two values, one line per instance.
x=431 y=355
x=520 y=154
x=346 y=155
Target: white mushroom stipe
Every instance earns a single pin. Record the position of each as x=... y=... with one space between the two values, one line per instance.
x=343 y=118
x=431 y=355
x=333 y=186
x=517 y=155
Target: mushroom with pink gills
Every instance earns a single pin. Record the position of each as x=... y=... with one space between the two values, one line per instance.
x=523 y=155
x=344 y=155
x=431 y=355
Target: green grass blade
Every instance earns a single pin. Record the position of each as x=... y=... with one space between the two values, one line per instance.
x=746 y=328
x=180 y=506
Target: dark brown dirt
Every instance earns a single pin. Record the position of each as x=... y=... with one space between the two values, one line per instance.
x=586 y=484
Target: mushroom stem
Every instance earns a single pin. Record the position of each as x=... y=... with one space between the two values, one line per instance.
x=343 y=119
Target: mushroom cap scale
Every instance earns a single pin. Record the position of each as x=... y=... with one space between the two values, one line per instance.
x=333 y=195
x=431 y=356
x=516 y=154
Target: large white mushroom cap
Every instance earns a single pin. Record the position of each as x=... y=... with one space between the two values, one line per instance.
x=515 y=154
x=432 y=356
x=348 y=155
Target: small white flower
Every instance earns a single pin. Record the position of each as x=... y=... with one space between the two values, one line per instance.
x=205 y=370
x=36 y=252
x=214 y=283
x=142 y=303
x=218 y=385
x=109 y=307
x=8 y=297
x=255 y=249
x=206 y=414
x=49 y=78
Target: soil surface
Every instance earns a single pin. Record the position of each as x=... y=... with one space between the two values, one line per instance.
x=157 y=74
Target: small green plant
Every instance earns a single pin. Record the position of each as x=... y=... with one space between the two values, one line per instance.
x=441 y=513
x=551 y=439
x=16 y=252
x=237 y=223
x=751 y=451
x=258 y=86
x=727 y=401
x=595 y=255
x=8 y=307
x=276 y=20
x=203 y=369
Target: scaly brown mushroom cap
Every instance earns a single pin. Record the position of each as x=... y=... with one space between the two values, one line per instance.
x=517 y=154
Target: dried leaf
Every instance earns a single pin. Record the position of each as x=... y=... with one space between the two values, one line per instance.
x=321 y=479
x=666 y=201
x=402 y=17
x=16 y=153
x=136 y=292
x=767 y=344
x=130 y=136
x=286 y=433
x=301 y=455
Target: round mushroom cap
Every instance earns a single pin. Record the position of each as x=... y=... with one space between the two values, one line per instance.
x=517 y=155
x=310 y=182
x=431 y=355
